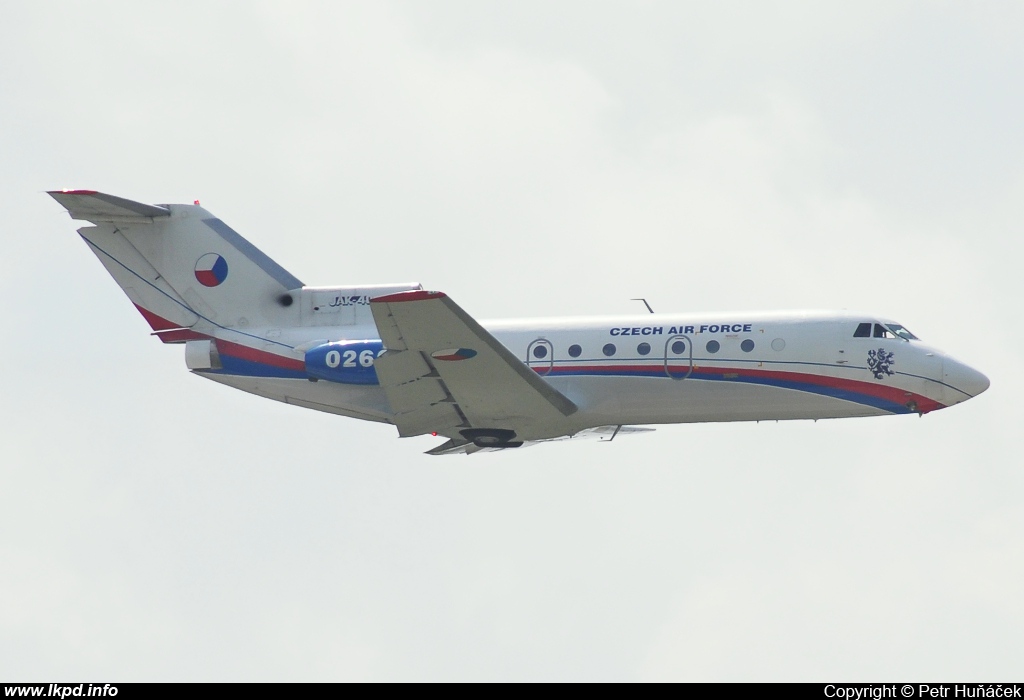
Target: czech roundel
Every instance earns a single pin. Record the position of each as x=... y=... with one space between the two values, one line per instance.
x=453 y=355
x=211 y=270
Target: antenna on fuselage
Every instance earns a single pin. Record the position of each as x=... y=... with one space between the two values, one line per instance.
x=645 y=304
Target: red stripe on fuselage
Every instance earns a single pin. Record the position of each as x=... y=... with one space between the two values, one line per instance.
x=172 y=333
x=882 y=391
x=244 y=352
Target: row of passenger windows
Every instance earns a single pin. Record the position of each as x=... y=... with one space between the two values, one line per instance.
x=889 y=330
x=678 y=347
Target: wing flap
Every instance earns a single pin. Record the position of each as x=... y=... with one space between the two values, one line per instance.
x=455 y=446
x=436 y=418
x=413 y=395
x=401 y=367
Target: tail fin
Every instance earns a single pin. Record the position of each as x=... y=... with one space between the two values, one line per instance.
x=186 y=271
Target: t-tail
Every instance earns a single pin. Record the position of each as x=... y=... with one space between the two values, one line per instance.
x=194 y=278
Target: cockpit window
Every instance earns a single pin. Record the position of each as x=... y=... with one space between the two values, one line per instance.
x=901 y=331
x=878 y=330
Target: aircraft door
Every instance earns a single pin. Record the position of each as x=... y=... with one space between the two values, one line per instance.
x=678 y=357
x=540 y=356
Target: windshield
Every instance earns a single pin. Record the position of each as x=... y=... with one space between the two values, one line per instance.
x=900 y=331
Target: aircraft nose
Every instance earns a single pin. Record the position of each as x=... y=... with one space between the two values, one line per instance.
x=965 y=378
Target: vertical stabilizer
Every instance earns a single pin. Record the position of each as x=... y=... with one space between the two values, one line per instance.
x=183 y=267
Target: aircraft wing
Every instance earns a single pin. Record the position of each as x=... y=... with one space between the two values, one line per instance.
x=444 y=373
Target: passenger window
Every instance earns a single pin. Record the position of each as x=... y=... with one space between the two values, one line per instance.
x=679 y=347
x=713 y=346
x=575 y=351
x=863 y=331
x=540 y=352
x=747 y=345
x=881 y=332
x=608 y=349
x=643 y=348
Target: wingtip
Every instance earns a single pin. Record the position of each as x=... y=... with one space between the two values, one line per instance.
x=66 y=191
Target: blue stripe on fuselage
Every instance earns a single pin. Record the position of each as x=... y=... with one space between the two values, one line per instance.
x=237 y=366
x=248 y=368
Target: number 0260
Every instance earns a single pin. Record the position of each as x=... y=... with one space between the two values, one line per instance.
x=349 y=358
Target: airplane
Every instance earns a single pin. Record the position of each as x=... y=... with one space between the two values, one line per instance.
x=401 y=354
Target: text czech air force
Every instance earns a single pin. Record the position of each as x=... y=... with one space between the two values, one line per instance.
x=685 y=330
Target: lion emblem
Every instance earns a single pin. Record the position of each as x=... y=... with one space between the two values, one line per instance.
x=879 y=362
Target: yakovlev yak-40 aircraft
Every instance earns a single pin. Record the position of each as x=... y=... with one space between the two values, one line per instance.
x=395 y=353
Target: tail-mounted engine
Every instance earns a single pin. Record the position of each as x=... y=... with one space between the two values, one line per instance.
x=346 y=362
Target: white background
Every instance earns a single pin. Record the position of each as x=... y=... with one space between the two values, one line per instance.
x=529 y=159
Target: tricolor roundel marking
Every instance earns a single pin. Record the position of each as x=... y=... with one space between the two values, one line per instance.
x=211 y=270
x=453 y=354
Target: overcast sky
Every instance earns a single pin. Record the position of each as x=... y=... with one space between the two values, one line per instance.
x=529 y=159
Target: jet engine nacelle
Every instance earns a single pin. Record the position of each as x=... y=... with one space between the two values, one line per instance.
x=346 y=362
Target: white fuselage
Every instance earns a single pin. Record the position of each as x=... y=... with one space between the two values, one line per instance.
x=658 y=368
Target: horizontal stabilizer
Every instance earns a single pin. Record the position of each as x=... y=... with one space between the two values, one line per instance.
x=88 y=205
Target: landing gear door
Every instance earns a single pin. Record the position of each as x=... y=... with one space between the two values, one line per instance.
x=678 y=357
x=540 y=356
